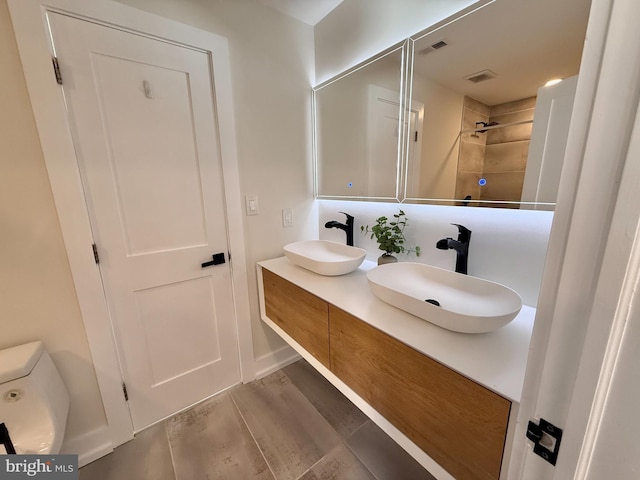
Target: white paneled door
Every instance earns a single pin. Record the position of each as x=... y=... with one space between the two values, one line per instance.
x=144 y=126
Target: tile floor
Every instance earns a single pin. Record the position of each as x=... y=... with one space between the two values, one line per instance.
x=290 y=425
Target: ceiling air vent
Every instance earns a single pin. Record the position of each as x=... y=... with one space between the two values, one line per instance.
x=433 y=48
x=482 y=76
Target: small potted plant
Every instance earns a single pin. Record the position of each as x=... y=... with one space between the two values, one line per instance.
x=390 y=237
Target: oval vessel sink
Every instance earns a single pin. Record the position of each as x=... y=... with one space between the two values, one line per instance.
x=448 y=299
x=325 y=257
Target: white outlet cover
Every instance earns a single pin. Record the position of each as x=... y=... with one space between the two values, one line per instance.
x=287 y=217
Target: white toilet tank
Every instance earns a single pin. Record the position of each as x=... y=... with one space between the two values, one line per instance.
x=33 y=400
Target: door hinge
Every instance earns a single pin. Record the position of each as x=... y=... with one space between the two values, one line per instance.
x=96 y=257
x=546 y=440
x=56 y=70
x=124 y=390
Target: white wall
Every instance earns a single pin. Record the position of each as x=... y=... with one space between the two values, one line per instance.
x=358 y=29
x=507 y=246
x=37 y=296
x=272 y=71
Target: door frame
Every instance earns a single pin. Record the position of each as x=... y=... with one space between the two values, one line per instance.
x=591 y=261
x=47 y=100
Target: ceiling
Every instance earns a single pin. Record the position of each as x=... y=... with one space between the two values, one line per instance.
x=307 y=11
x=525 y=43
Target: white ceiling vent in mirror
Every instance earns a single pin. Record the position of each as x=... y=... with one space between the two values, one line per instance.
x=482 y=76
x=433 y=48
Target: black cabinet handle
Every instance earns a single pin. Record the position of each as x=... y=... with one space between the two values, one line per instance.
x=218 y=259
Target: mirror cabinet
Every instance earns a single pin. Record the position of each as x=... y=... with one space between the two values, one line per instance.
x=357 y=129
x=447 y=117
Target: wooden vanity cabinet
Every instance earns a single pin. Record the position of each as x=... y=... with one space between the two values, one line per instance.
x=457 y=422
x=302 y=315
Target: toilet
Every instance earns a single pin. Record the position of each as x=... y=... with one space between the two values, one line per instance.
x=33 y=400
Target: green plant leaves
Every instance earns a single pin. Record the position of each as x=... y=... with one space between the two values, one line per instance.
x=390 y=235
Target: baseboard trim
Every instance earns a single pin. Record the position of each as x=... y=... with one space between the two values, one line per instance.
x=88 y=446
x=273 y=361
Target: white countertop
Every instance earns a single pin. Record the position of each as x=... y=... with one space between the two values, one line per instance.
x=496 y=360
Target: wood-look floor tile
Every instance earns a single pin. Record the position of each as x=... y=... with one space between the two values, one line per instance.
x=384 y=457
x=290 y=432
x=211 y=441
x=339 y=464
x=146 y=457
x=341 y=414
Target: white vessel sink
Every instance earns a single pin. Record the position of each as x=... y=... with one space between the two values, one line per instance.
x=325 y=257
x=466 y=304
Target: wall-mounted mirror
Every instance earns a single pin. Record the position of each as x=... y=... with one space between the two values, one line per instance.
x=358 y=118
x=479 y=79
x=468 y=126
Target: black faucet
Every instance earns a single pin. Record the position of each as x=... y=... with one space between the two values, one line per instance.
x=347 y=227
x=461 y=246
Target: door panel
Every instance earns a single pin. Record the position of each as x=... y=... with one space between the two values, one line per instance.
x=158 y=176
x=144 y=129
x=163 y=312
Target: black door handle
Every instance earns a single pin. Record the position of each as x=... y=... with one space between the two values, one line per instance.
x=218 y=259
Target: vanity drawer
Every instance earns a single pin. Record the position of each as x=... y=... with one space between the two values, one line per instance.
x=302 y=315
x=457 y=422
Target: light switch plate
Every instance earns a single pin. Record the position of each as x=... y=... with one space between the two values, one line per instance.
x=251 y=205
